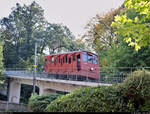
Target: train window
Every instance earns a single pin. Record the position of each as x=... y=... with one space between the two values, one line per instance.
x=52 y=59
x=84 y=56
x=89 y=58
x=69 y=60
x=74 y=57
x=56 y=60
x=59 y=59
x=66 y=58
x=49 y=61
x=78 y=58
x=46 y=61
x=63 y=59
x=95 y=59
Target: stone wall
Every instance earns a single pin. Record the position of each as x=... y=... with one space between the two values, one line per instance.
x=6 y=106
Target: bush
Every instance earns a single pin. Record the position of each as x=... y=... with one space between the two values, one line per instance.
x=136 y=90
x=91 y=99
x=39 y=103
x=130 y=96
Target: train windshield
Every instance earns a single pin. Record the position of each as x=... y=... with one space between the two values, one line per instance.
x=90 y=58
x=94 y=59
x=84 y=56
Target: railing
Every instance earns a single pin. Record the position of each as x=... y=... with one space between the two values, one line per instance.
x=7 y=106
x=109 y=75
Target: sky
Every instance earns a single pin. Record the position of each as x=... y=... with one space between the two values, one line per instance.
x=74 y=14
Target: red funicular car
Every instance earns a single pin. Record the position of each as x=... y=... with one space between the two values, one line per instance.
x=77 y=64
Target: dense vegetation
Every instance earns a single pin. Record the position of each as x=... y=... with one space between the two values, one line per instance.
x=130 y=96
x=26 y=25
x=39 y=103
x=110 y=36
x=26 y=91
x=2 y=78
x=135 y=30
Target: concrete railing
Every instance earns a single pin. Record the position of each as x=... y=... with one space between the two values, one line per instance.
x=7 y=106
x=104 y=78
x=108 y=75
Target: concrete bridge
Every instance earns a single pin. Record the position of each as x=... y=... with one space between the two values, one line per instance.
x=45 y=83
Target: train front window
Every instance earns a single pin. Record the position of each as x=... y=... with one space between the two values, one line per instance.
x=84 y=56
x=94 y=59
x=90 y=59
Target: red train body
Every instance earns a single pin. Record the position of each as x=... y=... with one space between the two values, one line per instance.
x=79 y=63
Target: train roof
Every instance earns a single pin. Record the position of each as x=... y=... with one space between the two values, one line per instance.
x=71 y=52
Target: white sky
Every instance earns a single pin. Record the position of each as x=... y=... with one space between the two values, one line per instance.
x=73 y=13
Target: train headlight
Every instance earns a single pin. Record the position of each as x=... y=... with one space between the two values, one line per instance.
x=92 y=69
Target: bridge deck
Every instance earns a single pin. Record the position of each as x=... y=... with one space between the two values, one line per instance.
x=43 y=77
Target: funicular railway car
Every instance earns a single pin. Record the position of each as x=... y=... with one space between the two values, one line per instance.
x=78 y=65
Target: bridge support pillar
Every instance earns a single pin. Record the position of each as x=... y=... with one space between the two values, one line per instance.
x=14 y=91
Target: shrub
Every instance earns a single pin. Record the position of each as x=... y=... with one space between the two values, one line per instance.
x=91 y=99
x=136 y=90
x=39 y=103
x=130 y=96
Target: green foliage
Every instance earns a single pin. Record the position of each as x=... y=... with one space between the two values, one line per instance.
x=30 y=62
x=18 y=33
x=130 y=96
x=122 y=55
x=100 y=35
x=136 y=89
x=91 y=99
x=26 y=25
x=136 y=31
x=26 y=91
x=39 y=103
x=2 y=78
x=59 y=38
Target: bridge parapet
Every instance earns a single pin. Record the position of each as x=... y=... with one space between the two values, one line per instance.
x=105 y=78
x=24 y=73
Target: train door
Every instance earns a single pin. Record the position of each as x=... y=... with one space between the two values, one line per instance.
x=78 y=62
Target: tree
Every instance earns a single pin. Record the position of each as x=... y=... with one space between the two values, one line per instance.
x=23 y=27
x=58 y=38
x=122 y=55
x=1 y=66
x=136 y=31
x=100 y=35
x=18 y=29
